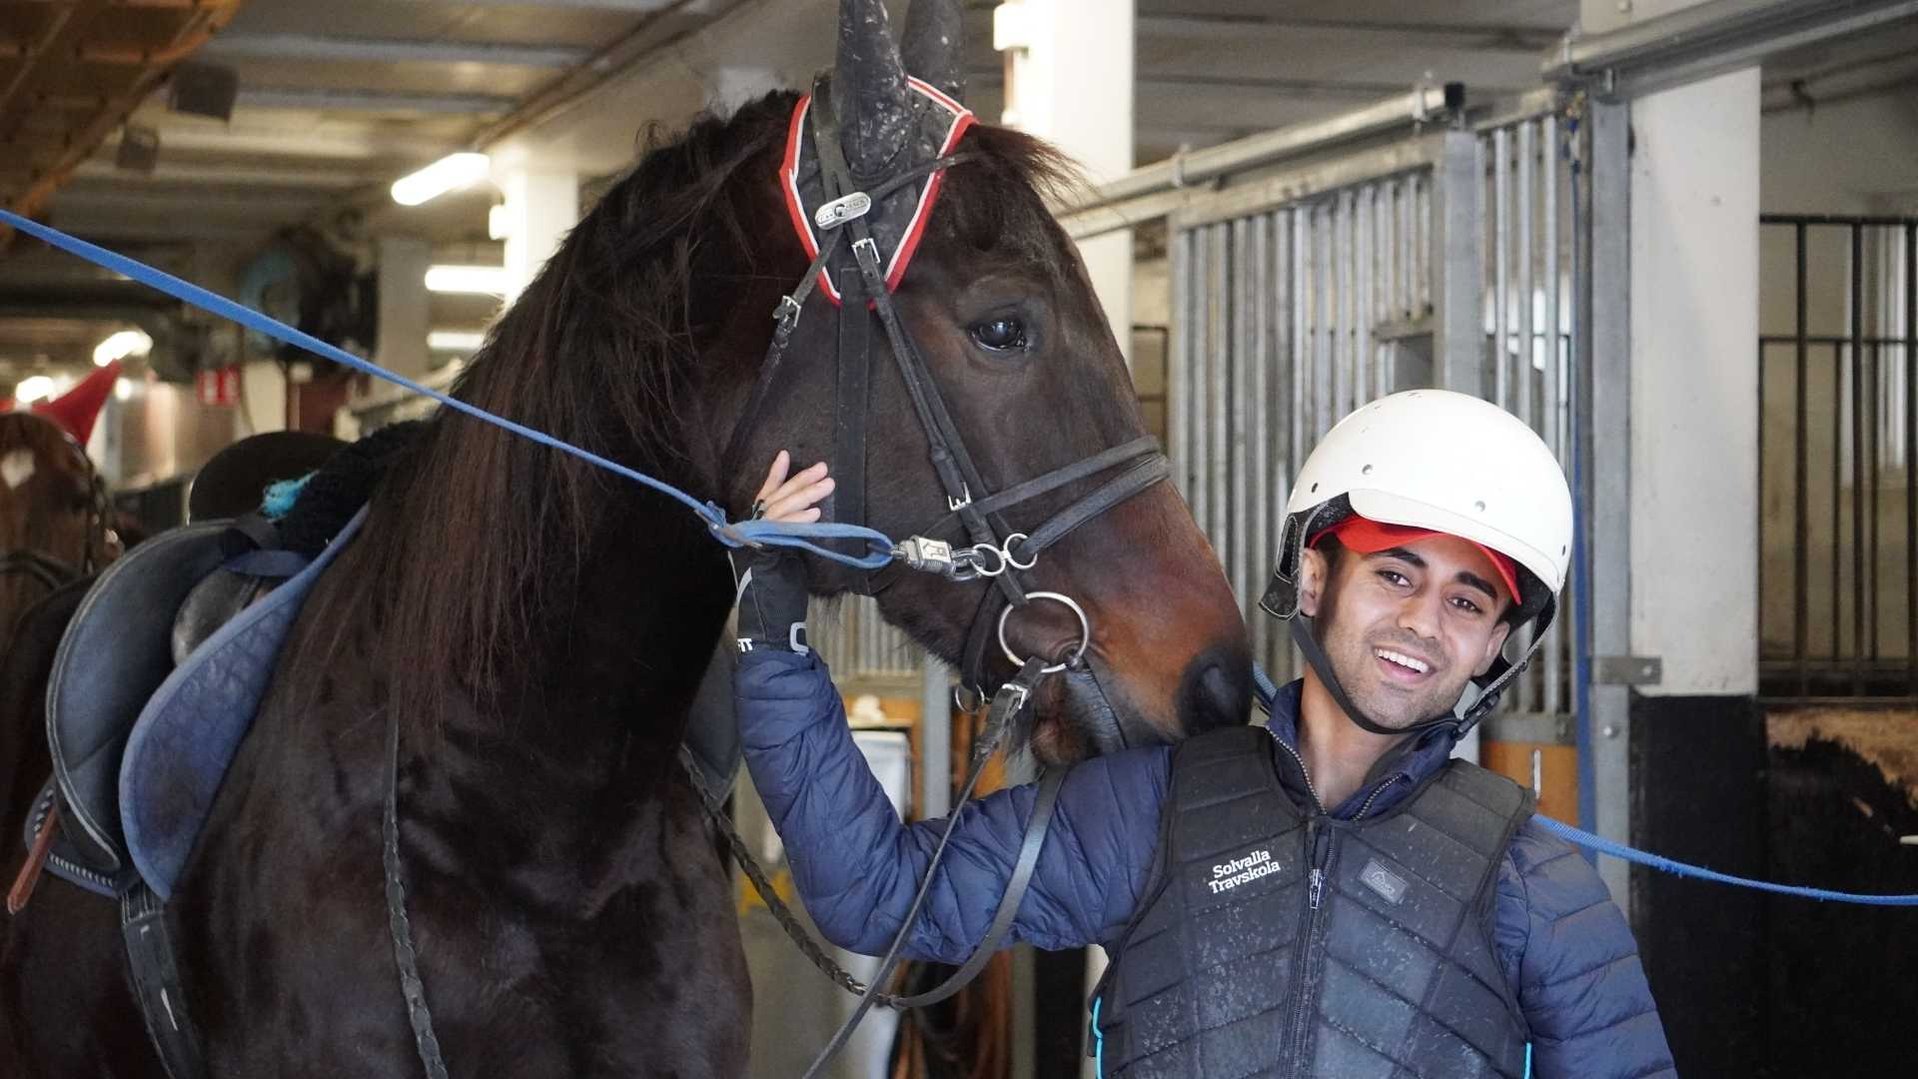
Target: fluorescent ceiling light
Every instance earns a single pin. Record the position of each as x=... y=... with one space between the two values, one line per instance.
x=449 y=173
x=487 y=280
x=455 y=340
x=35 y=388
x=120 y=346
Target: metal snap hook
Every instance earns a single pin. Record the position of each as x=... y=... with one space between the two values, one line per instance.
x=980 y=551
x=1011 y=558
x=1085 y=632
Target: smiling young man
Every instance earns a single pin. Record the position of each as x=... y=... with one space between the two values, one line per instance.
x=1331 y=895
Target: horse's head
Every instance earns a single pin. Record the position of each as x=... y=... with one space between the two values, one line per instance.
x=999 y=306
x=642 y=338
x=50 y=525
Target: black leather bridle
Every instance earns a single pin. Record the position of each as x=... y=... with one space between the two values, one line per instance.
x=972 y=540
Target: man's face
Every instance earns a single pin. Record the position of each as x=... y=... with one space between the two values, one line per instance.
x=1406 y=628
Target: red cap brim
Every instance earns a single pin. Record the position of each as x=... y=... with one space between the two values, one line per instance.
x=1367 y=536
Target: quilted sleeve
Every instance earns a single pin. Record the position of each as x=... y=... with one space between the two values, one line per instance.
x=856 y=866
x=1572 y=960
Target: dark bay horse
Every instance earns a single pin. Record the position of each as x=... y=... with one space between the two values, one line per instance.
x=537 y=629
x=52 y=527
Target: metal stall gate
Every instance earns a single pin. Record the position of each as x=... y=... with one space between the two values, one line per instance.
x=1441 y=259
x=1293 y=301
x=1838 y=434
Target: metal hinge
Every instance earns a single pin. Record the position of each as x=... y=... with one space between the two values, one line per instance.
x=1627 y=670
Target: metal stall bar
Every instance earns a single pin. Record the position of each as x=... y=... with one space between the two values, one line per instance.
x=1256 y=265
x=1501 y=271
x=1801 y=502
x=1604 y=493
x=1342 y=316
x=1178 y=363
x=1164 y=189
x=1859 y=463
x=1713 y=36
x=1218 y=313
x=1554 y=386
x=1456 y=266
x=1911 y=456
x=1236 y=387
x=1284 y=401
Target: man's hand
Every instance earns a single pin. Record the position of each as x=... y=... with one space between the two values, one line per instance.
x=772 y=580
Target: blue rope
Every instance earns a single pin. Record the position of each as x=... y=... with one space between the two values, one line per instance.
x=1620 y=850
x=1266 y=690
x=732 y=534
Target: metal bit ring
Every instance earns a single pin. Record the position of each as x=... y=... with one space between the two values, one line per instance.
x=1012 y=559
x=1085 y=631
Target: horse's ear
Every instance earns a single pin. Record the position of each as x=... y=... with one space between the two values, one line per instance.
x=869 y=88
x=933 y=46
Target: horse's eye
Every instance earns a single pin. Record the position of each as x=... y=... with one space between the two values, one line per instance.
x=1000 y=335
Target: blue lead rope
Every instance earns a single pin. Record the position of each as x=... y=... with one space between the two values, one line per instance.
x=755 y=532
x=1266 y=689
x=733 y=534
x=1619 y=850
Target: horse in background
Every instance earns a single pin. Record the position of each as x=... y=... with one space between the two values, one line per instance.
x=53 y=513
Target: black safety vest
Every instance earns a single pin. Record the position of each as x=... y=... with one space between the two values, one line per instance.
x=1277 y=941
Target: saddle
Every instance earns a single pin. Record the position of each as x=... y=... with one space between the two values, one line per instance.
x=154 y=686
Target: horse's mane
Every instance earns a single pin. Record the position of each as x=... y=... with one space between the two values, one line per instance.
x=478 y=535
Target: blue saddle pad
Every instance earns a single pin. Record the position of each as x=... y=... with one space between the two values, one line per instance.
x=189 y=731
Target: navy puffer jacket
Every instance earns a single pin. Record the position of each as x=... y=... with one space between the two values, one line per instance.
x=1569 y=955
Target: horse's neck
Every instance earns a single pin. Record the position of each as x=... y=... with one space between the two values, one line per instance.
x=616 y=662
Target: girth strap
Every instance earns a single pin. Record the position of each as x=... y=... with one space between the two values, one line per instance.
x=153 y=965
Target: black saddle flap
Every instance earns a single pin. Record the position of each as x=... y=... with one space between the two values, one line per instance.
x=116 y=652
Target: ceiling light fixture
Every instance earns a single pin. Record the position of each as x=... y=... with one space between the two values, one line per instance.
x=34 y=388
x=455 y=340
x=121 y=345
x=449 y=173
x=483 y=280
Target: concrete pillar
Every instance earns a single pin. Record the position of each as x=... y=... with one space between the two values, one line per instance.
x=1069 y=81
x=263 y=395
x=541 y=206
x=1692 y=738
x=1694 y=437
x=405 y=309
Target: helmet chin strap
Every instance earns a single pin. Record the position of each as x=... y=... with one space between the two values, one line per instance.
x=1304 y=634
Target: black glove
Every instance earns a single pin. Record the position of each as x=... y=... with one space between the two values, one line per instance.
x=771 y=596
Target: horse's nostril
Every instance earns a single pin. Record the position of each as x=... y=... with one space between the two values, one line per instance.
x=1220 y=694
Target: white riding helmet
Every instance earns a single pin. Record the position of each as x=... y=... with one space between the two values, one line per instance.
x=1443 y=461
